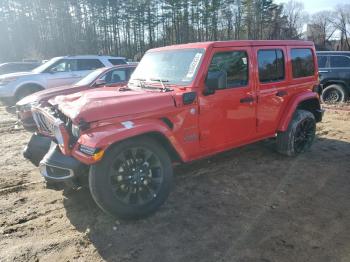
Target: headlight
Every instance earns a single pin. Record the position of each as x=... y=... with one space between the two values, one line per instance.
x=5 y=81
x=27 y=107
x=75 y=130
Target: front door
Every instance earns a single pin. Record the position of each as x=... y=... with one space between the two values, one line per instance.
x=63 y=72
x=227 y=117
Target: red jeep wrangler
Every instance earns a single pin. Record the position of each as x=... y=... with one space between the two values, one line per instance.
x=182 y=103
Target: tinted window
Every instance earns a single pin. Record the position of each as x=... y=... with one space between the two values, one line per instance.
x=340 y=61
x=89 y=64
x=64 y=65
x=115 y=76
x=271 y=65
x=117 y=61
x=302 y=62
x=322 y=61
x=235 y=64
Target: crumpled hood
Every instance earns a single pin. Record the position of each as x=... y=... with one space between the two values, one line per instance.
x=105 y=103
x=18 y=74
x=45 y=95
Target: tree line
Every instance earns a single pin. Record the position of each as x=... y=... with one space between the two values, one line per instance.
x=47 y=28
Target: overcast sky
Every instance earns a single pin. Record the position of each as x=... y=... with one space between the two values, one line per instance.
x=313 y=6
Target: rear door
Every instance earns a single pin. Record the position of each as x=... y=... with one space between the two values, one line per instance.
x=273 y=91
x=86 y=66
x=227 y=117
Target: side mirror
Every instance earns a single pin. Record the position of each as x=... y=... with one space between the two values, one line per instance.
x=100 y=82
x=215 y=80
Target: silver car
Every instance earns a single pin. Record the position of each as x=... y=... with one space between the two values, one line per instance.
x=58 y=71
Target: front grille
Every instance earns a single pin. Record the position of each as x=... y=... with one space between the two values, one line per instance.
x=44 y=123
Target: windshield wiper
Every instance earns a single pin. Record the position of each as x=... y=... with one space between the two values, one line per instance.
x=141 y=82
x=162 y=81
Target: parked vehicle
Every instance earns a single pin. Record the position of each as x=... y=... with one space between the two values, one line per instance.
x=115 y=76
x=182 y=103
x=58 y=71
x=334 y=70
x=14 y=67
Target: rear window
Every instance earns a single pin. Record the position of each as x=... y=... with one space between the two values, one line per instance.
x=271 y=65
x=302 y=62
x=89 y=64
x=322 y=61
x=117 y=61
x=340 y=61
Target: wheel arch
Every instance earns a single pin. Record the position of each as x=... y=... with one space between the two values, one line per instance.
x=37 y=86
x=106 y=137
x=307 y=101
x=160 y=138
x=329 y=82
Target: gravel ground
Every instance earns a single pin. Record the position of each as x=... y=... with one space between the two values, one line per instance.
x=249 y=204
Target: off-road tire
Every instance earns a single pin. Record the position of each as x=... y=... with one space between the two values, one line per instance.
x=334 y=94
x=104 y=193
x=288 y=141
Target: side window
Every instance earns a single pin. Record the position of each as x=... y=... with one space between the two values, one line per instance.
x=271 y=65
x=302 y=62
x=322 y=61
x=89 y=64
x=115 y=76
x=235 y=64
x=117 y=61
x=64 y=65
x=340 y=61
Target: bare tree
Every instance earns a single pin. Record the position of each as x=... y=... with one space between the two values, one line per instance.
x=296 y=17
x=323 y=22
x=342 y=23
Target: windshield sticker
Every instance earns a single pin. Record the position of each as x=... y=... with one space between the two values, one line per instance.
x=194 y=64
x=244 y=59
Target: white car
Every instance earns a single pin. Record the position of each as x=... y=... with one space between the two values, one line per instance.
x=58 y=71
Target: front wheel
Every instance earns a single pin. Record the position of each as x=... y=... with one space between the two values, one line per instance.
x=133 y=179
x=299 y=136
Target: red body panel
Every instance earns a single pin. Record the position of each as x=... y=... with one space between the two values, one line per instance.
x=210 y=124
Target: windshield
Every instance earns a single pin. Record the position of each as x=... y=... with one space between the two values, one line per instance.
x=177 y=67
x=87 y=80
x=43 y=67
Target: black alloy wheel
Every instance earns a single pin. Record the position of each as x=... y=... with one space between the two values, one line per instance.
x=304 y=134
x=137 y=176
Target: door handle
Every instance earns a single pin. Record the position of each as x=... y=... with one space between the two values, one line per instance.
x=281 y=93
x=248 y=99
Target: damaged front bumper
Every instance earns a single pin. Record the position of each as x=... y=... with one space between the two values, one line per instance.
x=53 y=165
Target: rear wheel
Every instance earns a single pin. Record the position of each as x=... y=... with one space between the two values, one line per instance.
x=133 y=179
x=299 y=136
x=334 y=94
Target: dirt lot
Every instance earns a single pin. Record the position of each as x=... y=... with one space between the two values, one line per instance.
x=249 y=204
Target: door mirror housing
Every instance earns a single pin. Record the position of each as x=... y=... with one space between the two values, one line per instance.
x=215 y=80
x=100 y=82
